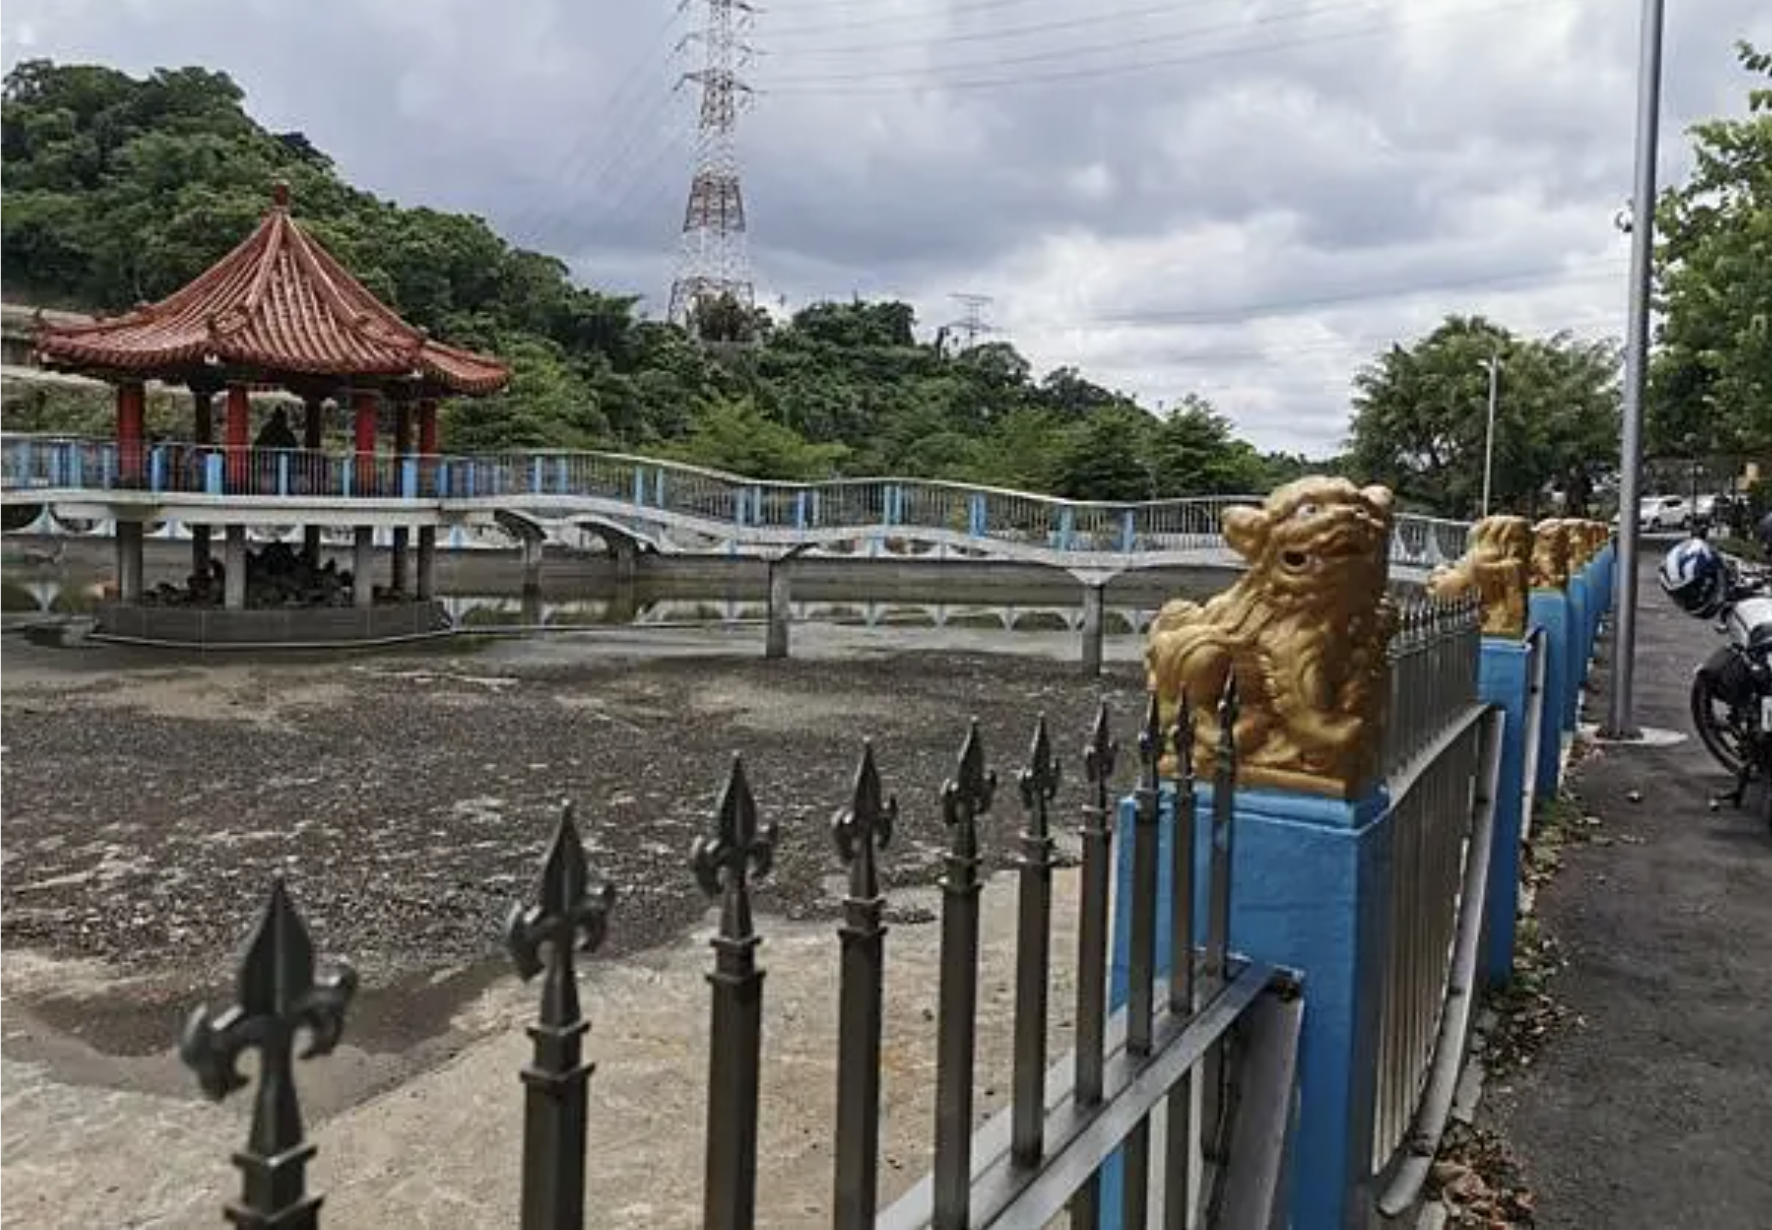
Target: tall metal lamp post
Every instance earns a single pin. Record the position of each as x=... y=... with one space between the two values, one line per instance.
x=1620 y=720
x=1493 y=364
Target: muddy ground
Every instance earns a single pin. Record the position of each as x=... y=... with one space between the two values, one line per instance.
x=408 y=798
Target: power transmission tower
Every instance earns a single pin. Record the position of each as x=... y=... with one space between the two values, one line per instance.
x=714 y=263
x=972 y=324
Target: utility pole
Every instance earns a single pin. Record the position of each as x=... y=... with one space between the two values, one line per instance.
x=714 y=264
x=1620 y=721
x=972 y=324
x=1493 y=363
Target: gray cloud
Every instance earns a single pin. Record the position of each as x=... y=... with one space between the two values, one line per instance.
x=1154 y=225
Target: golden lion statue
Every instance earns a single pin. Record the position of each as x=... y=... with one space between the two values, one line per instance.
x=1496 y=568
x=1306 y=630
x=1550 y=554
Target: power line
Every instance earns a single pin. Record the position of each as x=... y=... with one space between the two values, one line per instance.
x=1066 y=53
x=827 y=6
x=586 y=150
x=994 y=35
x=856 y=83
x=1286 y=307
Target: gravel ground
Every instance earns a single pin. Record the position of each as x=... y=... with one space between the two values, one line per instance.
x=409 y=798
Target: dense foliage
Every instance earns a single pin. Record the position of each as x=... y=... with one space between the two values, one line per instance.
x=1421 y=418
x=121 y=189
x=1711 y=387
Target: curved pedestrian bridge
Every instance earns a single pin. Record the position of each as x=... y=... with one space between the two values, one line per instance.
x=643 y=502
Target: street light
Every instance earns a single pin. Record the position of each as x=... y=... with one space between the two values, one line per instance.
x=1493 y=363
x=1619 y=719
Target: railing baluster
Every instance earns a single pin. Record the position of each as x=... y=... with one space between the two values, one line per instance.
x=1092 y=944
x=568 y=915
x=1178 y=1166
x=1218 y=908
x=724 y=864
x=1033 y=948
x=861 y=829
x=964 y=798
x=279 y=995
x=1142 y=955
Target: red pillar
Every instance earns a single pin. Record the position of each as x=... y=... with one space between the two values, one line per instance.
x=131 y=432
x=363 y=416
x=427 y=445
x=239 y=436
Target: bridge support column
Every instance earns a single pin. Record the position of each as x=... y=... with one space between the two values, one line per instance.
x=203 y=431
x=129 y=561
x=234 y=563
x=402 y=536
x=200 y=550
x=363 y=568
x=781 y=598
x=1094 y=626
x=427 y=561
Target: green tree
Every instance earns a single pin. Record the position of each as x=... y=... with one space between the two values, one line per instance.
x=1711 y=378
x=1420 y=418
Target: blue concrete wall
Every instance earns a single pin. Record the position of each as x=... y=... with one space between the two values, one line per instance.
x=1576 y=631
x=1308 y=878
x=1504 y=679
x=1549 y=609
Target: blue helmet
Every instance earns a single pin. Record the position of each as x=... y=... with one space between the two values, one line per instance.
x=1694 y=576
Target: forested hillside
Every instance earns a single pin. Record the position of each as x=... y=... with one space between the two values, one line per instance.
x=119 y=190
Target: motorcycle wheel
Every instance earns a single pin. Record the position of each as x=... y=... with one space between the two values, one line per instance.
x=1714 y=721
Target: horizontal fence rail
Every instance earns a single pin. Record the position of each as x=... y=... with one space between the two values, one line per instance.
x=640 y=492
x=1042 y=1154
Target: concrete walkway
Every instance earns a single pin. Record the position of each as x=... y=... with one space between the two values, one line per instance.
x=1655 y=1109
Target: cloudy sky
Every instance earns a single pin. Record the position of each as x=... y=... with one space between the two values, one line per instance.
x=1241 y=198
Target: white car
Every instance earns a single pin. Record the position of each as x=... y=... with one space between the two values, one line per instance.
x=1664 y=512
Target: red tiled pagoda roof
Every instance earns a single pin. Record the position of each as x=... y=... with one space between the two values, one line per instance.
x=279 y=303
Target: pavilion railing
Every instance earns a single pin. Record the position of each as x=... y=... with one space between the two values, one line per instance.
x=645 y=488
x=1027 y=1165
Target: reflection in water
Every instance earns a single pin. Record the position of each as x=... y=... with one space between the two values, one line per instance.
x=53 y=591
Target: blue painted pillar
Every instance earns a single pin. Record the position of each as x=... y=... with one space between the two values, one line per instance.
x=800 y=509
x=212 y=474
x=1309 y=877
x=157 y=470
x=536 y=477
x=1504 y=679
x=409 y=478
x=1549 y=609
x=977 y=523
x=1066 y=527
x=1577 y=636
x=640 y=488
x=1128 y=537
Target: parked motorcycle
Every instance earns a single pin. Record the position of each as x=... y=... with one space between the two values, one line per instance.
x=1731 y=694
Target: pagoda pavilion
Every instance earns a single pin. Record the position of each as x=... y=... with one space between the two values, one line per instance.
x=277 y=312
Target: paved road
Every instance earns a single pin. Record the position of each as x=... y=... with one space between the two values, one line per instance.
x=1657 y=1111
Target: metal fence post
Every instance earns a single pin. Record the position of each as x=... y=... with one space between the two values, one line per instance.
x=1092 y=944
x=862 y=828
x=1033 y=948
x=568 y=914
x=279 y=994
x=1142 y=960
x=1218 y=907
x=964 y=798
x=724 y=863
x=1183 y=998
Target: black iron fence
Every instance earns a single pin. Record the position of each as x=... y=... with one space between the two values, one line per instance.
x=1228 y=1025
